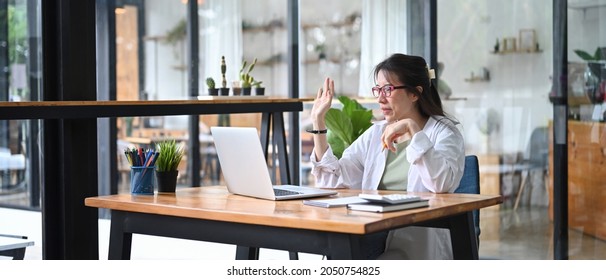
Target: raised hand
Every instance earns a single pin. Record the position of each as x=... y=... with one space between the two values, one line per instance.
x=323 y=100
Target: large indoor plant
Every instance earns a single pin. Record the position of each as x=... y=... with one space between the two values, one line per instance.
x=169 y=157
x=347 y=124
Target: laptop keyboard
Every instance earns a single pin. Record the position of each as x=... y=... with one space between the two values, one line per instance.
x=279 y=192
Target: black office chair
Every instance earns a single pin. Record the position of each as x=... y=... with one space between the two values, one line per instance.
x=470 y=183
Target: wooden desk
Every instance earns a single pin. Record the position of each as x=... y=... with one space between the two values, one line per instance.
x=212 y=214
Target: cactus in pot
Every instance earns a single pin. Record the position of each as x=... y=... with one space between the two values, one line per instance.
x=210 y=83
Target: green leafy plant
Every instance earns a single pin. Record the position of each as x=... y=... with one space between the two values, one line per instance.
x=586 y=56
x=177 y=33
x=347 y=124
x=245 y=77
x=170 y=155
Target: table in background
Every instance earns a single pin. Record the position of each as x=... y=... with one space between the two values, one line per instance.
x=67 y=183
x=213 y=214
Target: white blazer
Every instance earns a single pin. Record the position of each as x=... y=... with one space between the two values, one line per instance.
x=437 y=158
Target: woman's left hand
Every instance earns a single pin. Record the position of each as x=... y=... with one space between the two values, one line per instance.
x=398 y=132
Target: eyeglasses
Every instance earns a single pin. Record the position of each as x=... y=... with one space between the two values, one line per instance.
x=376 y=91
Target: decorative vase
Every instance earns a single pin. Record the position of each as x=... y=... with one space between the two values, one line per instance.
x=167 y=181
x=592 y=84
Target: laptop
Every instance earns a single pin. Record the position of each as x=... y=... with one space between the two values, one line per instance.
x=245 y=169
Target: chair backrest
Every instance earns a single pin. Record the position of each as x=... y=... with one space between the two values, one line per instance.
x=538 y=147
x=470 y=183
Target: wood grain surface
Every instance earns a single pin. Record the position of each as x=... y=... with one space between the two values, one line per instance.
x=216 y=203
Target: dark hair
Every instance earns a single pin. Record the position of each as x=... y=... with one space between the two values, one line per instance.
x=413 y=71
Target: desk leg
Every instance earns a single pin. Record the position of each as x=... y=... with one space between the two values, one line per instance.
x=275 y=122
x=463 y=237
x=525 y=175
x=247 y=253
x=265 y=126
x=119 y=241
x=280 y=138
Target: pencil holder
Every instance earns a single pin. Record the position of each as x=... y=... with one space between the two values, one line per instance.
x=142 y=180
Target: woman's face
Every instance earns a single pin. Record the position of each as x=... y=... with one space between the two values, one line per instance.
x=400 y=104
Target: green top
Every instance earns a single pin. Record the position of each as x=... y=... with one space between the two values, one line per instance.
x=395 y=176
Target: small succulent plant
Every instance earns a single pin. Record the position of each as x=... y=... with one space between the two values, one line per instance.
x=210 y=82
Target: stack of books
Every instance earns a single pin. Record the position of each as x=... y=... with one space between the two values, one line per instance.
x=373 y=202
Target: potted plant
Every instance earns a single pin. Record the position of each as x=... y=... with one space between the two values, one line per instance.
x=259 y=90
x=595 y=61
x=170 y=154
x=595 y=74
x=210 y=83
x=245 y=78
x=224 y=90
x=235 y=85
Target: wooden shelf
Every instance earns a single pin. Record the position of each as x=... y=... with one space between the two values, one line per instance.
x=317 y=61
x=476 y=80
x=514 y=52
x=330 y=24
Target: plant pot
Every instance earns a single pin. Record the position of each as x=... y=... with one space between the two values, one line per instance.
x=224 y=91
x=167 y=181
x=260 y=91
x=213 y=91
x=246 y=91
x=237 y=91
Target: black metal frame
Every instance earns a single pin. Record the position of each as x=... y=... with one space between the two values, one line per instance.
x=559 y=98
x=334 y=245
x=104 y=109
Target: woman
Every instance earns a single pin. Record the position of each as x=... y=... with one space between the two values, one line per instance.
x=416 y=149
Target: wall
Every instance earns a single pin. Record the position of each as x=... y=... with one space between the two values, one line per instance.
x=165 y=77
x=467 y=29
x=519 y=82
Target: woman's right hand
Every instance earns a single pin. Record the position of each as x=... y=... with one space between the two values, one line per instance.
x=323 y=102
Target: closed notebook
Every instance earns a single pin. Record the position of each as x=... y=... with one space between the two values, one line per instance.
x=384 y=207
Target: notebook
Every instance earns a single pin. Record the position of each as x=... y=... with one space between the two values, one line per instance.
x=245 y=169
x=386 y=207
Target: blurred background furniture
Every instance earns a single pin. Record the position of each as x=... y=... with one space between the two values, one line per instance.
x=12 y=171
x=535 y=160
x=586 y=173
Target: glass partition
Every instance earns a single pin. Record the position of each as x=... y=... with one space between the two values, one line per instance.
x=495 y=67
x=586 y=129
x=20 y=81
